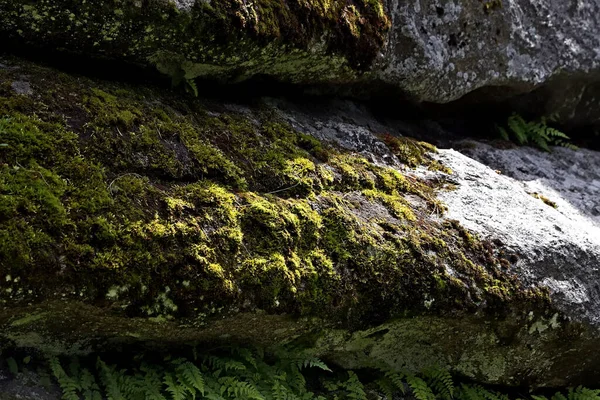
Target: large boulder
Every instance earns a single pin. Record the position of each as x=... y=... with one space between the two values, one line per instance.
x=135 y=216
x=433 y=51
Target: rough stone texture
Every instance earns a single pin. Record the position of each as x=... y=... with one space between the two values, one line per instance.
x=558 y=247
x=435 y=51
x=26 y=386
x=133 y=215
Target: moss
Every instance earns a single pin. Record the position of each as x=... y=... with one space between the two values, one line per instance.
x=295 y=40
x=543 y=198
x=194 y=211
x=414 y=153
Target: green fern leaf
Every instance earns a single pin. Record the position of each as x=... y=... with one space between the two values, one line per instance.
x=419 y=387
x=559 y=396
x=176 y=391
x=581 y=393
x=109 y=379
x=503 y=133
x=387 y=387
x=190 y=377
x=354 y=387
x=519 y=128
x=67 y=385
x=191 y=87
x=441 y=382
x=397 y=379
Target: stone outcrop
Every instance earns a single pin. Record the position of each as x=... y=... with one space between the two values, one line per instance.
x=134 y=215
x=433 y=51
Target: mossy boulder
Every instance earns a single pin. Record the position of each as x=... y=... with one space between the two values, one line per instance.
x=296 y=41
x=131 y=215
x=431 y=51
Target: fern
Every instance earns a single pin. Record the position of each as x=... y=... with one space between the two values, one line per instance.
x=419 y=388
x=581 y=393
x=110 y=381
x=68 y=386
x=386 y=386
x=537 y=133
x=191 y=87
x=441 y=382
x=354 y=387
x=559 y=396
x=190 y=377
x=175 y=390
x=232 y=386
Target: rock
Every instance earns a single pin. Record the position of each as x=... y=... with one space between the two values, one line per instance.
x=134 y=216
x=27 y=385
x=22 y=87
x=556 y=230
x=433 y=51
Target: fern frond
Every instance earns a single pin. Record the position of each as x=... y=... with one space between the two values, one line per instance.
x=503 y=133
x=559 y=396
x=278 y=391
x=191 y=87
x=190 y=377
x=232 y=386
x=518 y=127
x=354 y=387
x=581 y=393
x=176 y=390
x=535 y=397
x=296 y=380
x=441 y=382
x=68 y=386
x=109 y=379
x=419 y=387
x=387 y=387
x=397 y=379
x=555 y=133
x=152 y=390
x=311 y=362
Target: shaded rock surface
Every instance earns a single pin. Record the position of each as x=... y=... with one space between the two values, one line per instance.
x=430 y=50
x=133 y=215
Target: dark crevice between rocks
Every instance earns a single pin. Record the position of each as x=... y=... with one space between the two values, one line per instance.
x=475 y=115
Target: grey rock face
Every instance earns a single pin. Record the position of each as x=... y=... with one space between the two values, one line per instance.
x=558 y=247
x=439 y=51
x=500 y=195
x=436 y=51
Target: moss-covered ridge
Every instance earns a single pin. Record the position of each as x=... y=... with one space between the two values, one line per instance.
x=298 y=41
x=151 y=206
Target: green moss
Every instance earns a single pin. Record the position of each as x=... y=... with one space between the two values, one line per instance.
x=414 y=153
x=295 y=40
x=192 y=211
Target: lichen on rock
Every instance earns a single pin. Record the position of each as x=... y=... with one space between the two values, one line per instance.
x=296 y=41
x=181 y=209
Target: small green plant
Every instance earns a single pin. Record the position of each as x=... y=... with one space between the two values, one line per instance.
x=537 y=133
x=191 y=87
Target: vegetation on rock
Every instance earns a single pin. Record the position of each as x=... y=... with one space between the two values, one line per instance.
x=168 y=208
x=537 y=133
x=297 y=41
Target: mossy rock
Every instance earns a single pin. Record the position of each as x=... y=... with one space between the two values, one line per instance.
x=133 y=215
x=295 y=41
